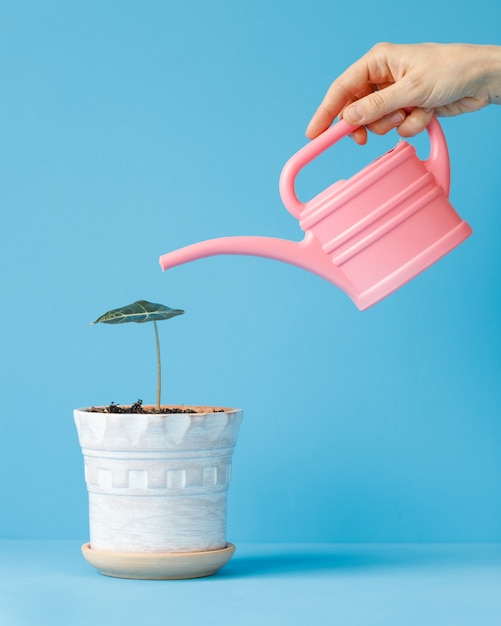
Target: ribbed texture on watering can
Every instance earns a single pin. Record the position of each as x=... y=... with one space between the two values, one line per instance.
x=372 y=228
x=382 y=219
x=358 y=187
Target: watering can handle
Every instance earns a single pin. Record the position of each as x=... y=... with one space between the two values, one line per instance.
x=437 y=163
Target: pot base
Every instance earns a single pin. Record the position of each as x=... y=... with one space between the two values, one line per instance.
x=158 y=566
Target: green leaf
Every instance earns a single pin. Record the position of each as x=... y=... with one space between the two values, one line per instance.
x=139 y=312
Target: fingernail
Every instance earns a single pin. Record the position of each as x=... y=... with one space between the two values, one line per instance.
x=397 y=118
x=353 y=114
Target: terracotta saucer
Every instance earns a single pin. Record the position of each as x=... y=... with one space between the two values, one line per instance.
x=158 y=566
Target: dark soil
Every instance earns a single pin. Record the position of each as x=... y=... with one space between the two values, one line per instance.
x=138 y=407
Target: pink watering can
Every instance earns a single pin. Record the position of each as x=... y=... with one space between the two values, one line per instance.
x=368 y=235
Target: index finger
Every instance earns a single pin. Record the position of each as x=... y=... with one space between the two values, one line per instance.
x=353 y=84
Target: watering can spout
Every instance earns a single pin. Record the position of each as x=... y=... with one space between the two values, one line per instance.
x=306 y=254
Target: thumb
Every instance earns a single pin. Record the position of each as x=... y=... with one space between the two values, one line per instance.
x=374 y=106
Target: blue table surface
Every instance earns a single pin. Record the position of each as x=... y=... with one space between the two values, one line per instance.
x=49 y=582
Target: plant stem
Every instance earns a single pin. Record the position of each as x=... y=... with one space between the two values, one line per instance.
x=159 y=367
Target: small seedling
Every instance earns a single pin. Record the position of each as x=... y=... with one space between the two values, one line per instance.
x=140 y=312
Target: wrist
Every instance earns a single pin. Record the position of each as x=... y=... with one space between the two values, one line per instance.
x=491 y=74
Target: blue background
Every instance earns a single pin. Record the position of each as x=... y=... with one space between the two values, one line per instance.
x=129 y=129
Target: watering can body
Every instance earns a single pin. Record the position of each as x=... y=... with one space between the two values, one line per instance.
x=368 y=235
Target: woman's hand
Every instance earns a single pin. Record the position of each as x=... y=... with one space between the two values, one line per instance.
x=402 y=86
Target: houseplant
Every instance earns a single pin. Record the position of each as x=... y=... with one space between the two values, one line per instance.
x=157 y=479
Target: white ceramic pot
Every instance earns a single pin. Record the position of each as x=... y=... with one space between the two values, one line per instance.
x=157 y=483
